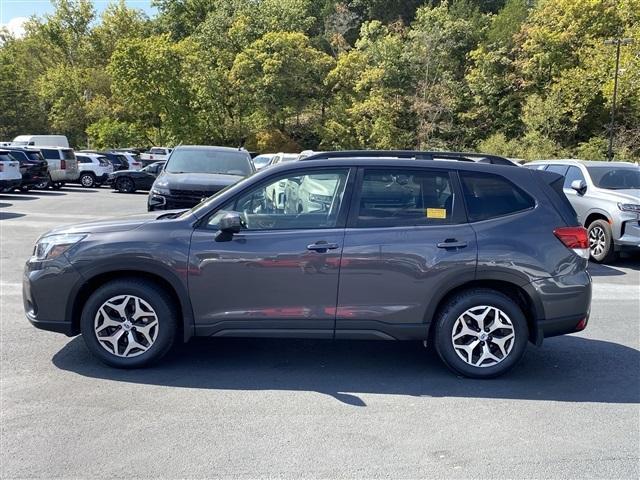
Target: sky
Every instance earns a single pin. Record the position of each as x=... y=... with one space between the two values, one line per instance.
x=13 y=13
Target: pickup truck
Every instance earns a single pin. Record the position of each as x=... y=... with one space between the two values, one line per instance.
x=155 y=154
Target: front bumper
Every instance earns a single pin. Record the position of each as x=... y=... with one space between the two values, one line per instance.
x=46 y=289
x=630 y=235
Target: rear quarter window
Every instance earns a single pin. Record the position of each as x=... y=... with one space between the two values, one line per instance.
x=488 y=195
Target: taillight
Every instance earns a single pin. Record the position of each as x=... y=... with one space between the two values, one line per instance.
x=63 y=164
x=1 y=167
x=575 y=238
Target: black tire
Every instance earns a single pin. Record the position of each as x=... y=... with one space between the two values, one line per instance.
x=87 y=179
x=125 y=185
x=601 y=245
x=45 y=184
x=150 y=293
x=446 y=322
x=57 y=185
x=24 y=189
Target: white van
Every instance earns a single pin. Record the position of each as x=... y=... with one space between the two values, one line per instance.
x=41 y=141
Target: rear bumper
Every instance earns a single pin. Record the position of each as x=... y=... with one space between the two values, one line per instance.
x=13 y=183
x=563 y=305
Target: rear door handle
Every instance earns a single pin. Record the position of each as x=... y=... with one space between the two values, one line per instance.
x=452 y=243
x=322 y=246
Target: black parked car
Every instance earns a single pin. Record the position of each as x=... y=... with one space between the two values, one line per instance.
x=33 y=166
x=477 y=259
x=128 y=181
x=194 y=172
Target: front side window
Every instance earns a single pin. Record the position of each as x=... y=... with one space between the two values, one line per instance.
x=83 y=159
x=573 y=173
x=489 y=196
x=403 y=197
x=297 y=201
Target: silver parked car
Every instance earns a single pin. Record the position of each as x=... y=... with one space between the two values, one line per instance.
x=606 y=197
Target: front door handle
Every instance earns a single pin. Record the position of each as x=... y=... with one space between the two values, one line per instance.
x=452 y=243
x=322 y=246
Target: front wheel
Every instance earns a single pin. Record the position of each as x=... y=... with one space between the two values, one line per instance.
x=129 y=323
x=481 y=333
x=601 y=241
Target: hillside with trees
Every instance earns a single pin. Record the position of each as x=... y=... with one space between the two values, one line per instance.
x=522 y=78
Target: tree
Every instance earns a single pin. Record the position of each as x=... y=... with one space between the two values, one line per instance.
x=149 y=80
x=282 y=74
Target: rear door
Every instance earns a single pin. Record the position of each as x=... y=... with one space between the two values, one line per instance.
x=406 y=240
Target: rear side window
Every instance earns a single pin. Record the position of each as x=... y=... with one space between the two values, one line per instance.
x=399 y=197
x=489 y=196
x=560 y=169
x=68 y=154
x=50 y=154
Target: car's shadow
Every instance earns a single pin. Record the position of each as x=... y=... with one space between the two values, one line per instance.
x=568 y=369
x=9 y=196
x=629 y=261
x=10 y=215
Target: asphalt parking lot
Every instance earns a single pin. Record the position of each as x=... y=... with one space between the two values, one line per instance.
x=308 y=409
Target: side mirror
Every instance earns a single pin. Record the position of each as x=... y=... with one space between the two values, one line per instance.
x=228 y=225
x=579 y=186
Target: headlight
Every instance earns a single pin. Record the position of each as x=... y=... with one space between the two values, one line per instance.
x=52 y=246
x=629 y=207
x=160 y=191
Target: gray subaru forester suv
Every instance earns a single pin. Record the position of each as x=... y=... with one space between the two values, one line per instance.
x=606 y=198
x=476 y=259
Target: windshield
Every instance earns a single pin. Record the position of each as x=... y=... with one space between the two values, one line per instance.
x=200 y=160
x=612 y=178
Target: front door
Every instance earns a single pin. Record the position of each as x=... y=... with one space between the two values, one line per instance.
x=406 y=241
x=279 y=275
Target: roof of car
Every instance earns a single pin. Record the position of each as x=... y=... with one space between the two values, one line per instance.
x=209 y=147
x=90 y=154
x=574 y=161
x=409 y=154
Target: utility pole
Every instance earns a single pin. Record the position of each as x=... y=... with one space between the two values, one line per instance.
x=617 y=42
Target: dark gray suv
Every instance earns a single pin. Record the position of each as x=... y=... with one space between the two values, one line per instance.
x=476 y=259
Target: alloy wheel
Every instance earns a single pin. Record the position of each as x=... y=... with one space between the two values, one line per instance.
x=126 y=326
x=483 y=336
x=87 y=181
x=597 y=241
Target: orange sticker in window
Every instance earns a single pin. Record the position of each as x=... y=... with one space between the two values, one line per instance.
x=436 y=213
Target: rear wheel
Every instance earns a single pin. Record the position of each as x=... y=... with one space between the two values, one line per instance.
x=481 y=333
x=87 y=179
x=129 y=323
x=43 y=185
x=125 y=185
x=601 y=242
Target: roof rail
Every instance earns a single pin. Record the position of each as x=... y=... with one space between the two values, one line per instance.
x=410 y=154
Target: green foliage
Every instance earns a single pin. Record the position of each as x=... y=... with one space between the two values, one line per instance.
x=515 y=77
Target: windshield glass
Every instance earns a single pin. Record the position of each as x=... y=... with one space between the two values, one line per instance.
x=262 y=160
x=200 y=160
x=615 y=178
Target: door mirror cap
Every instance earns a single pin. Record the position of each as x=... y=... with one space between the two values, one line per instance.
x=579 y=186
x=230 y=223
